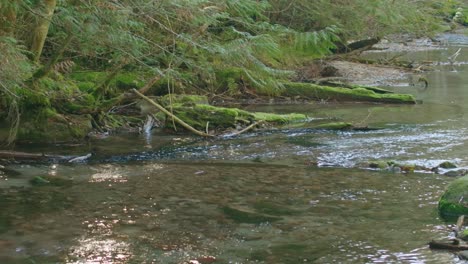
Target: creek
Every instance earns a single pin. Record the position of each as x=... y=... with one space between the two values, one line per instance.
x=163 y=199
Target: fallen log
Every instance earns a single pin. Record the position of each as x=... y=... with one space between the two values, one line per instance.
x=454 y=245
x=351 y=93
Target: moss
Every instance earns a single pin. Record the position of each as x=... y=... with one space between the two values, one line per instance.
x=198 y=116
x=454 y=201
x=353 y=86
x=53 y=129
x=32 y=100
x=87 y=87
x=317 y=92
x=128 y=80
x=279 y=119
x=184 y=99
x=242 y=216
x=88 y=76
x=221 y=118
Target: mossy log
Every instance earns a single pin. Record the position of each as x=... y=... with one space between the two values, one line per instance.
x=354 y=86
x=201 y=116
x=353 y=93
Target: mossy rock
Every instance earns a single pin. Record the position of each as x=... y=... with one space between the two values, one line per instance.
x=454 y=201
x=184 y=99
x=379 y=164
x=245 y=216
x=447 y=165
x=328 y=93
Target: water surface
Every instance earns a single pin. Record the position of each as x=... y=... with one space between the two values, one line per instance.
x=170 y=199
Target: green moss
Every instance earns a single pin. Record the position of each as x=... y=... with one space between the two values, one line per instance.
x=454 y=201
x=198 y=116
x=87 y=87
x=317 y=92
x=184 y=99
x=88 y=76
x=54 y=130
x=220 y=118
x=242 y=216
x=279 y=119
x=128 y=80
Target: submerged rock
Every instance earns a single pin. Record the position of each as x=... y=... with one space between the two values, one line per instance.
x=454 y=201
x=447 y=165
x=378 y=165
x=245 y=216
x=51 y=180
x=456 y=173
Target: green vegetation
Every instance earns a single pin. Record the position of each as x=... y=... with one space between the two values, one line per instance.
x=61 y=58
x=452 y=203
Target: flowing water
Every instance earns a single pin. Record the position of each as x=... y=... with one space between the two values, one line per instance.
x=290 y=195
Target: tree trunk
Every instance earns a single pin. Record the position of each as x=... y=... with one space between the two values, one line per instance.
x=42 y=27
x=44 y=71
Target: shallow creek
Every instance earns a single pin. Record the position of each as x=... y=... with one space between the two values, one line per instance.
x=163 y=199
